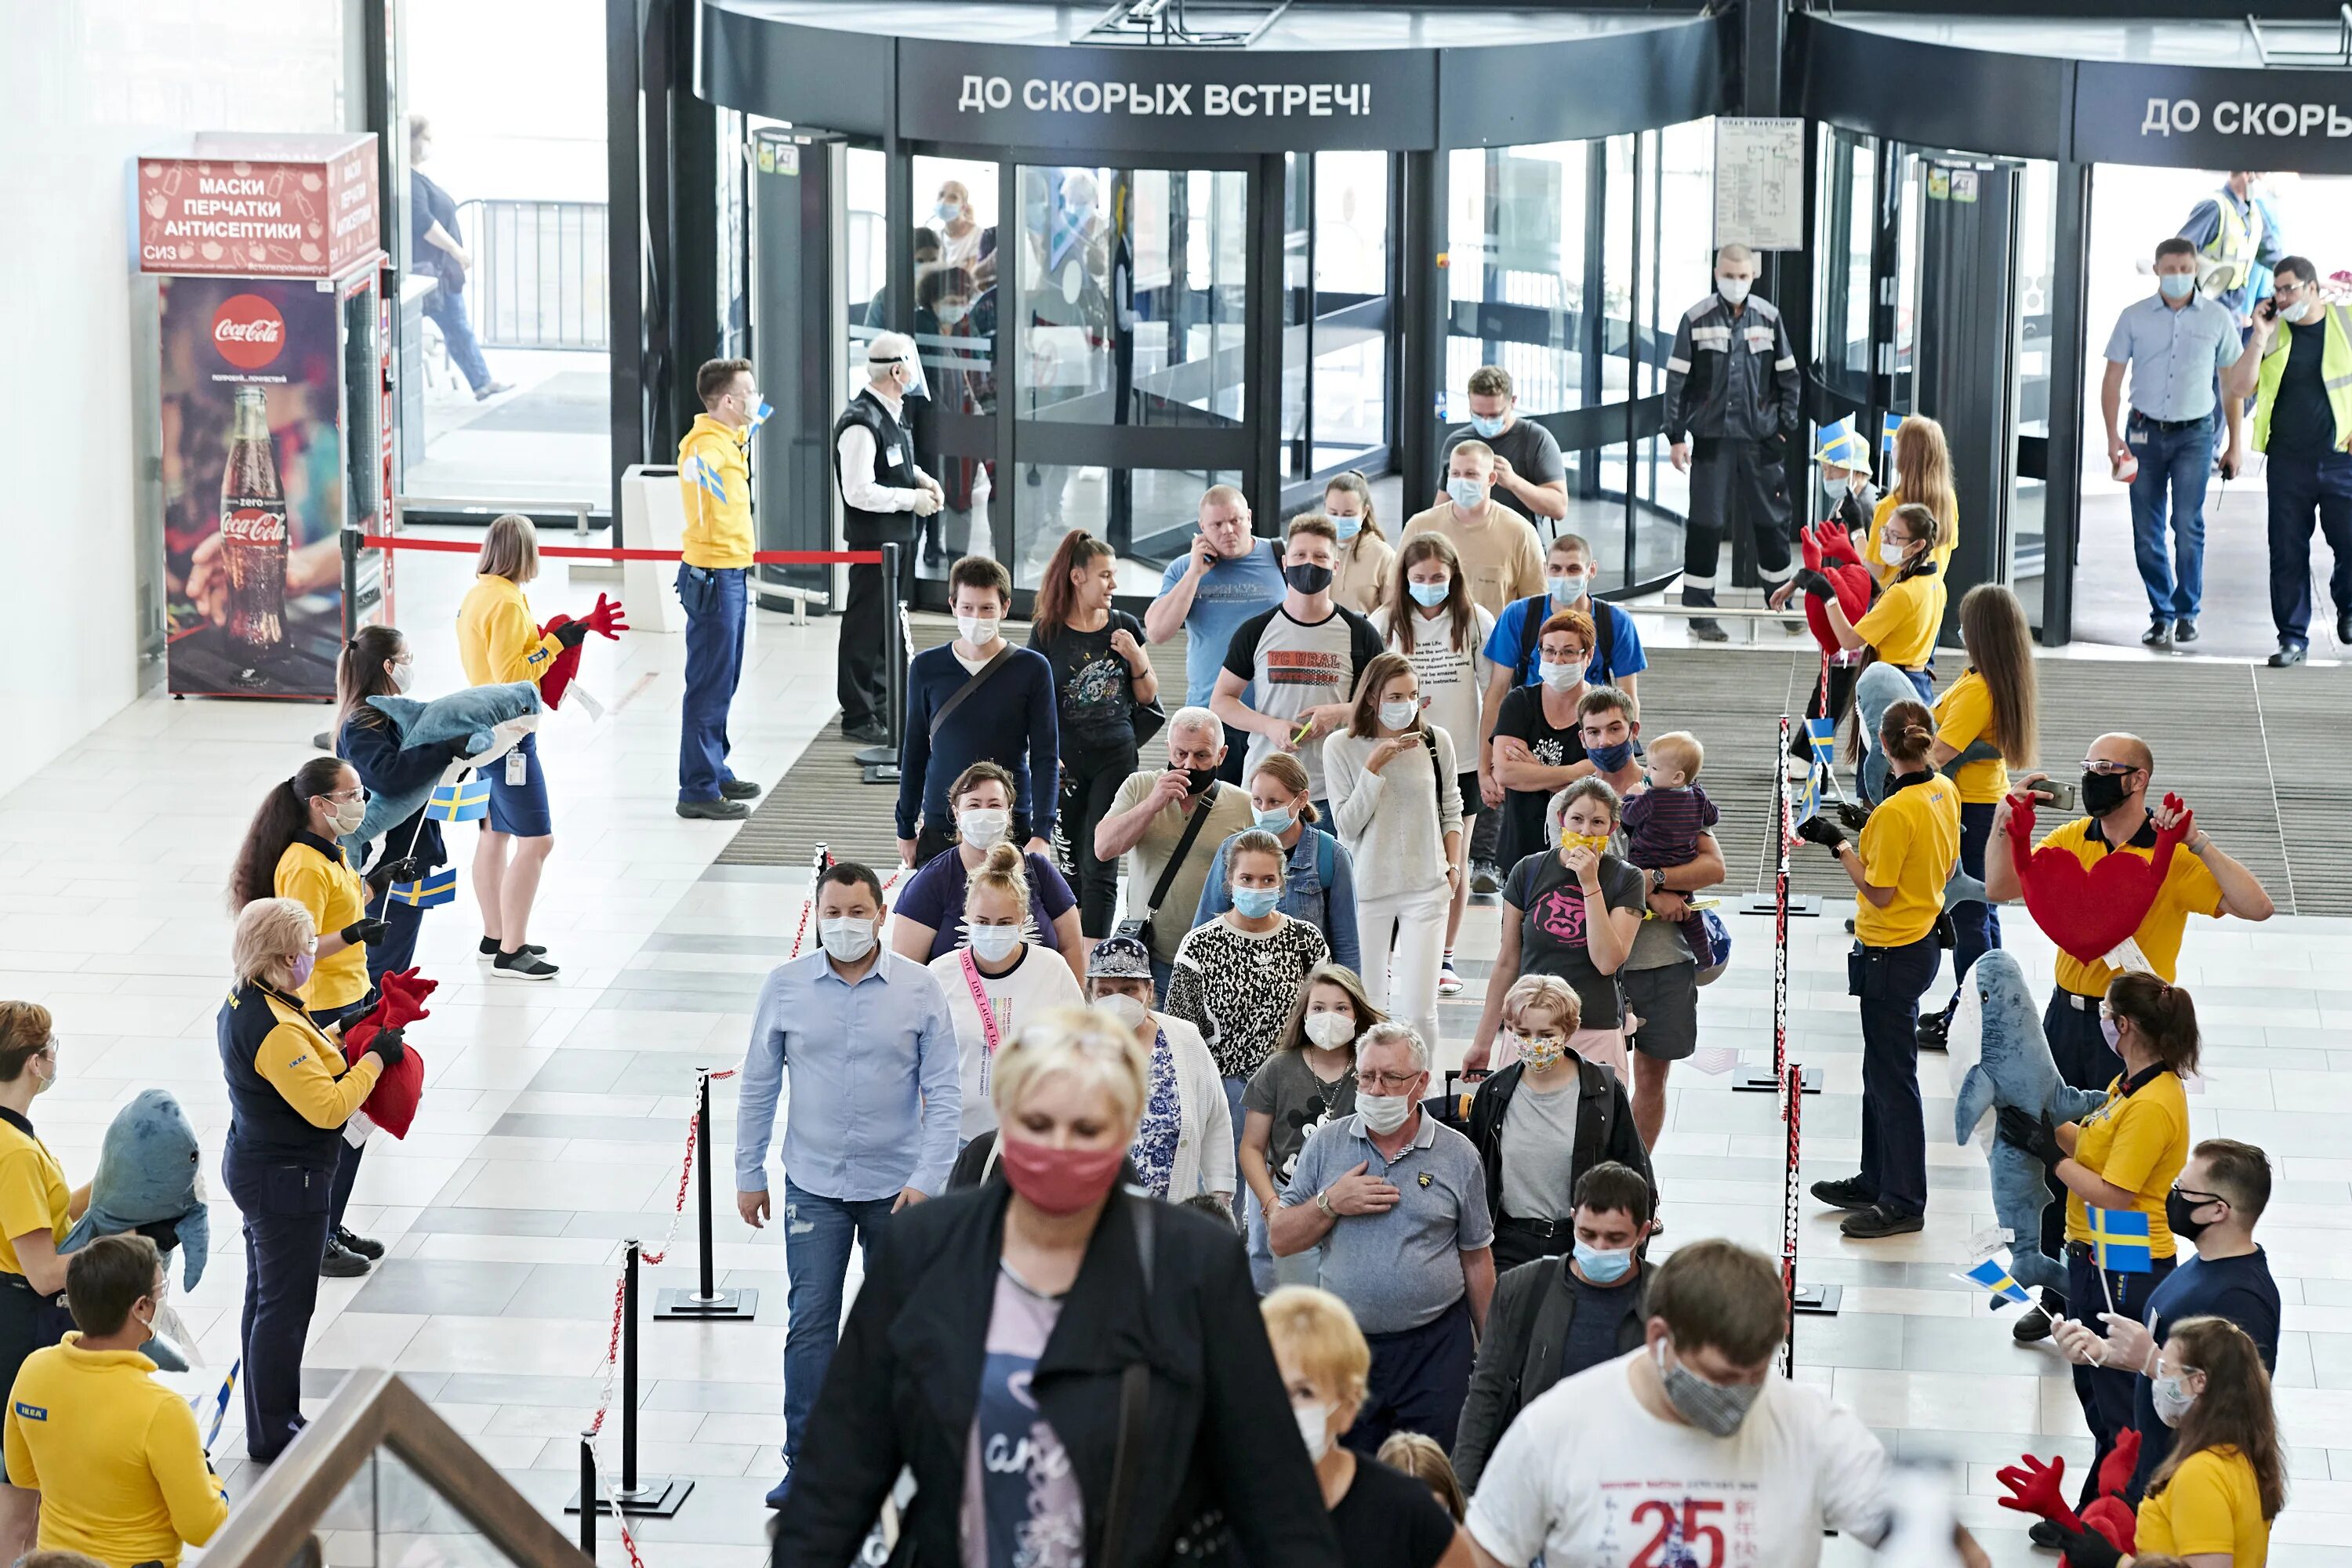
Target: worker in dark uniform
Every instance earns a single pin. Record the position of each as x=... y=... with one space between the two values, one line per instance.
x=1731 y=401
x=882 y=494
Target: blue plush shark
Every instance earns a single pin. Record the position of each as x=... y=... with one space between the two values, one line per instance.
x=471 y=714
x=146 y=1182
x=1999 y=1057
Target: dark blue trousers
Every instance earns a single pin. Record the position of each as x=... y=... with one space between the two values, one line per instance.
x=1894 y=1125
x=2173 y=468
x=1976 y=925
x=287 y=1210
x=397 y=949
x=2106 y=1392
x=714 y=665
x=2299 y=487
x=1418 y=1381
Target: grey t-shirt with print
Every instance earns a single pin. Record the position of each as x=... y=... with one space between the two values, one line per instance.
x=1293 y=665
x=1286 y=1090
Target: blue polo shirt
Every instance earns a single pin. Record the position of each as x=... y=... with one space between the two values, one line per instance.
x=1229 y=592
x=2174 y=354
x=1513 y=643
x=1401 y=1269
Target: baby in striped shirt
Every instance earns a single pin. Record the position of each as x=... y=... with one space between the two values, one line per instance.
x=1665 y=818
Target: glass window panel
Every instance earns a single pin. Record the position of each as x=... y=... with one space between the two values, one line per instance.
x=1148 y=515
x=1682 y=241
x=1515 y=268
x=1297 y=305
x=1617 y=281
x=866 y=262
x=2036 y=242
x=1351 y=218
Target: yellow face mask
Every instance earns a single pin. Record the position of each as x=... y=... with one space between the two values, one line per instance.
x=1596 y=842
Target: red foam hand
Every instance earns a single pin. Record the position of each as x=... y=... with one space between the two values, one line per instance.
x=2113 y=1517
x=392 y=1103
x=607 y=619
x=1821 y=544
x=2037 y=1489
x=2089 y=910
x=403 y=1002
x=1837 y=544
x=2115 y=1469
x=1809 y=544
x=557 y=678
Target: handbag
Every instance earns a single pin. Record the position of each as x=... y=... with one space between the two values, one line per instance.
x=1140 y=928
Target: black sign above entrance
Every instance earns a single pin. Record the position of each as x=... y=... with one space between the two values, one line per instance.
x=2195 y=118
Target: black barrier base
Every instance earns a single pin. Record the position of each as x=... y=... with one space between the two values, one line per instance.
x=1820 y=1300
x=1760 y=1081
x=882 y=772
x=728 y=1306
x=656 y=1497
x=882 y=756
x=1800 y=904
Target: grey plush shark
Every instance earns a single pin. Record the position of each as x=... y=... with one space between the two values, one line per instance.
x=146 y=1182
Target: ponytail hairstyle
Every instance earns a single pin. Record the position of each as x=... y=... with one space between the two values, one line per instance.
x=285 y=811
x=1907 y=730
x=1356 y=484
x=1919 y=525
x=1005 y=871
x=359 y=674
x=1056 y=595
x=1291 y=774
x=2163 y=1014
x=2234 y=1412
x=1405 y=610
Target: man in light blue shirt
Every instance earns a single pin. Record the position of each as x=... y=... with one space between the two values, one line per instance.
x=871 y=1124
x=1228 y=575
x=2176 y=344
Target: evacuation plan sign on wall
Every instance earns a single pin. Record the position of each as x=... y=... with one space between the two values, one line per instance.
x=1760 y=183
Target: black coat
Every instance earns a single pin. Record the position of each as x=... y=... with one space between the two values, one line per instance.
x=1516 y=1364
x=906 y=1380
x=1604 y=1127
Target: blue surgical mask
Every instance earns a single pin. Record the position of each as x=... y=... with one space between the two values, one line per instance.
x=1836 y=487
x=1279 y=820
x=1603 y=1264
x=2177 y=285
x=1256 y=903
x=1429 y=595
x=1467 y=494
x=1567 y=587
x=1608 y=759
x=1346 y=525
x=1489 y=428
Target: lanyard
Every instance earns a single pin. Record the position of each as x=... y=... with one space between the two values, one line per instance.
x=987 y=1011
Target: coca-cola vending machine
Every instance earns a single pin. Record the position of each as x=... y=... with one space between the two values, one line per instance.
x=273 y=416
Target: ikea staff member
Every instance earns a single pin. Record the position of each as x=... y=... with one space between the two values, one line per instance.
x=1923 y=467
x=499 y=642
x=1900 y=627
x=289 y=1093
x=714 y=480
x=1908 y=848
x=115 y=1455
x=35 y=1211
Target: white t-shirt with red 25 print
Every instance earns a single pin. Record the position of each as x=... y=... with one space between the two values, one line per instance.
x=1589 y=1478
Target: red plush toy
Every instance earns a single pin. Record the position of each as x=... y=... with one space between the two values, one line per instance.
x=2089 y=910
x=1829 y=549
x=607 y=619
x=392 y=1104
x=2037 y=1489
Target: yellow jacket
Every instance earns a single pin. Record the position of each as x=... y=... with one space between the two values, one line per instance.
x=114 y=1455
x=498 y=641
x=718 y=532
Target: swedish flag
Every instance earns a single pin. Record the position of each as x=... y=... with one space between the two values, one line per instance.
x=1993 y=1276
x=460 y=801
x=2119 y=1240
x=1886 y=428
x=758 y=419
x=441 y=888
x=706 y=476
x=1842 y=446
x=1823 y=734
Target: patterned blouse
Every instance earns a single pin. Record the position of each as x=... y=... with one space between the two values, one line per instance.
x=1237 y=988
x=1156 y=1137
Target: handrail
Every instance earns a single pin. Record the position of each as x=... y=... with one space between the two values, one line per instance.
x=372 y=1409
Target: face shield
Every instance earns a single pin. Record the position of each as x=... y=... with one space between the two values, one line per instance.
x=916 y=387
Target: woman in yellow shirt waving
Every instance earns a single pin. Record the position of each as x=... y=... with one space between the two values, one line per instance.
x=1900 y=627
x=498 y=641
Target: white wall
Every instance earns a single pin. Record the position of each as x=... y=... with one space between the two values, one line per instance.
x=85 y=84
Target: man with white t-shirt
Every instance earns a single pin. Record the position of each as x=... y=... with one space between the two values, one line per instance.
x=1693 y=1441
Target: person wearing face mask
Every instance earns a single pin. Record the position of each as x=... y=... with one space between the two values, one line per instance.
x=1732 y=398
x=955 y=322
x=115 y=1456
x=1225 y=577
x=1362 y=575
x=1562 y=1314
x=290 y=1091
x=36 y=1212
x=1536 y=746
x=1309 y=1082
x=882 y=492
x=2301 y=384
x=1498 y=550
x=378 y=662
x=1530 y=478
x=978 y=698
x=1656 y=1441
x=870 y=1127
x=1398 y=1203
x=714 y=481
x=1848 y=485
x=995 y=980
x=923 y=244
x=1163 y=821
x=1899 y=627
x=1055 y=1311
x=1319 y=886
x=2118 y=774
x=2176 y=343
x=930 y=921
x=964 y=240
x=1384 y=1518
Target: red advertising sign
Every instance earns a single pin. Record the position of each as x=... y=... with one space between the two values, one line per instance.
x=283 y=206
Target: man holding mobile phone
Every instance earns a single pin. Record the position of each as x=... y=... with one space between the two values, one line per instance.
x=1226 y=576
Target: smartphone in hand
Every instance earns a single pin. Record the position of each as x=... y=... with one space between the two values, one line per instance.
x=2054 y=793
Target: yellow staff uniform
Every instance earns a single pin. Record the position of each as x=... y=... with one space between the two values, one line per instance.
x=1909 y=844
x=718 y=531
x=2188 y=889
x=1902 y=624
x=1963 y=716
x=33 y=1193
x=2138 y=1141
x=316 y=873
x=498 y=641
x=2213 y=1504
x=1878 y=516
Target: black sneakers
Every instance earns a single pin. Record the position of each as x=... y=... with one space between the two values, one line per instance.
x=489 y=948
x=1707 y=630
x=2185 y=629
x=2289 y=655
x=1935 y=1030
x=367 y=1247
x=522 y=965
x=2158 y=635
x=715 y=810
x=738 y=789
x=1852 y=1192
x=1879 y=1220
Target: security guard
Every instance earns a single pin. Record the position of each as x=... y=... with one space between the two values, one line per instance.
x=1731 y=400
x=714 y=481
x=2232 y=238
x=882 y=492
x=2301 y=381
x=289 y=1094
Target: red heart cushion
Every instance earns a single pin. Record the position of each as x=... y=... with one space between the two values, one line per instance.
x=2113 y=1517
x=556 y=679
x=2088 y=911
x=392 y=1104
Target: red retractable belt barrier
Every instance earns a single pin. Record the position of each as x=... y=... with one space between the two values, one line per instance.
x=582 y=552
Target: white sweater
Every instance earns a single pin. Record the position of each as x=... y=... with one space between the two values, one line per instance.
x=1204 y=1158
x=1395 y=822
x=1040 y=981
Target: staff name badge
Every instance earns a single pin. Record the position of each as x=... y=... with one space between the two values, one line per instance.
x=518 y=770
x=891 y=456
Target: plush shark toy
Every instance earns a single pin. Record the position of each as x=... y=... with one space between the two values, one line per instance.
x=1999 y=1057
x=148 y=1171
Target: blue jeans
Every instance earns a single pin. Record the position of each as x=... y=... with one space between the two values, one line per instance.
x=2298 y=487
x=1243 y=1200
x=448 y=312
x=714 y=665
x=2173 y=469
x=818 y=1234
x=1894 y=1124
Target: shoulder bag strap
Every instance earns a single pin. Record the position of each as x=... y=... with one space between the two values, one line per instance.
x=1134 y=1389
x=1604 y=636
x=1436 y=784
x=1183 y=847
x=978 y=678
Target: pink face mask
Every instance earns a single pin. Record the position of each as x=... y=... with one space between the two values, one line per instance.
x=303 y=964
x=1060 y=1181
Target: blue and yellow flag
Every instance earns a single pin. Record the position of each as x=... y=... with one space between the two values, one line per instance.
x=2119 y=1241
x=441 y=888
x=706 y=476
x=1842 y=446
x=1993 y=1274
x=1886 y=428
x=460 y=801
x=758 y=419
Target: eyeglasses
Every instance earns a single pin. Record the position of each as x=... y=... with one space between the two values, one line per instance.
x=356 y=792
x=1386 y=1080
x=2095 y=765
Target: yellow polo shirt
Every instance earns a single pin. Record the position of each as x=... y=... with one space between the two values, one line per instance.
x=718 y=531
x=1878 y=516
x=1909 y=844
x=1902 y=624
x=2139 y=1142
x=32 y=1194
x=498 y=641
x=2213 y=1504
x=317 y=875
x=2188 y=887
x=1963 y=716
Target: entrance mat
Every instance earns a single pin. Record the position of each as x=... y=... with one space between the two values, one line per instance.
x=822 y=799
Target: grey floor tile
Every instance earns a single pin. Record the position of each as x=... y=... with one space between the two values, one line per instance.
x=750 y=1398
x=523 y=1388
x=609 y=1128
x=1969 y=1345
x=581 y=1072
x=427 y=1288
x=1851 y=1339
x=493 y=1222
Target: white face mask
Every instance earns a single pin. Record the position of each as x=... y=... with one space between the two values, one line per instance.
x=1398 y=714
x=1385 y=1113
x=1733 y=290
x=951 y=314
x=992 y=944
x=983 y=827
x=978 y=630
x=347 y=815
x=1561 y=677
x=403 y=674
x=847 y=939
x=1314 y=1428
x=1330 y=1031
x=1893 y=551
x=1835 y=487
x=1124 y=1008
x=1467 y=493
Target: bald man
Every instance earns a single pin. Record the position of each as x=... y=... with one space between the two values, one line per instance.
x=2118 y=774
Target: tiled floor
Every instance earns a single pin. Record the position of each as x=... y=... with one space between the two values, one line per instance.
x=554 y=1122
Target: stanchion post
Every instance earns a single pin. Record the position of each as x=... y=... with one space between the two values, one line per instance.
x=658 y=1496
x=588 y=1491
x=708 y=1301
x=881 y=763
x=1757 y=1083
x=1792 y=1100
x=350 y=541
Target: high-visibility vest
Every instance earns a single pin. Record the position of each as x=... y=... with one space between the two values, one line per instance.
x=2230 y=253
x=2335 y=374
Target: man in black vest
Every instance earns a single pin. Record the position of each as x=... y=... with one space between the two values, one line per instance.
x=882 y=494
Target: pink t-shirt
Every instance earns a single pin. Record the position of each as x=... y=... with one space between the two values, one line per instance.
x=1022 y=1507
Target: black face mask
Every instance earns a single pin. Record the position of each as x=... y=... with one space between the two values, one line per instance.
x=1307 y=577
x=2101 y=792
x=2176 y=1215
x=1199 y=779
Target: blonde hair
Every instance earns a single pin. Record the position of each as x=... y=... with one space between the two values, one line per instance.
x=269 y=932
x=1680 y=751
x=1923 y=466
x=1294 y=1033
x=1423 y=1459
x=1257 y=841
x=509 y=549
x=1103 y=1052
x=1320 y=1333
x=1005 y=871
x=25 y=1031
x=1476 y=450
x=1546 y=993
x=1291 y=774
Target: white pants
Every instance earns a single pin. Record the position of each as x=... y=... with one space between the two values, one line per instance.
x=1404 y=939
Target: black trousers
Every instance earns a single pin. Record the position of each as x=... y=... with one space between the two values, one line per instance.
x=1090 y=779
x=1732 y=481
x=288 y=1212
x=1418 y=1382
x=868 y=623
x=2106 y=1392
x=1889 y=981
x=1518 y=1241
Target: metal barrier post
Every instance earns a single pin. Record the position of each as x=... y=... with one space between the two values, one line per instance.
x=1757 y=1081
x=881 y=763
x=660 y=1495
x=349 y=540
x=708 y=1301
x=588 y=1492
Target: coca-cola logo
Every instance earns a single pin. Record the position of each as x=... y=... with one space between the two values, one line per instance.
x=252 y=525
x=248 y=331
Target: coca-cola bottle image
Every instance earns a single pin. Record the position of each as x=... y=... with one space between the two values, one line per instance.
x=253 y=532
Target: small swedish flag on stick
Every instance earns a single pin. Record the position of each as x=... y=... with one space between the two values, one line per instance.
x=1993 y=1274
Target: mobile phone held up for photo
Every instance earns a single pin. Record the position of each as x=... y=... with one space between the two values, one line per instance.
x=2055 y=793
